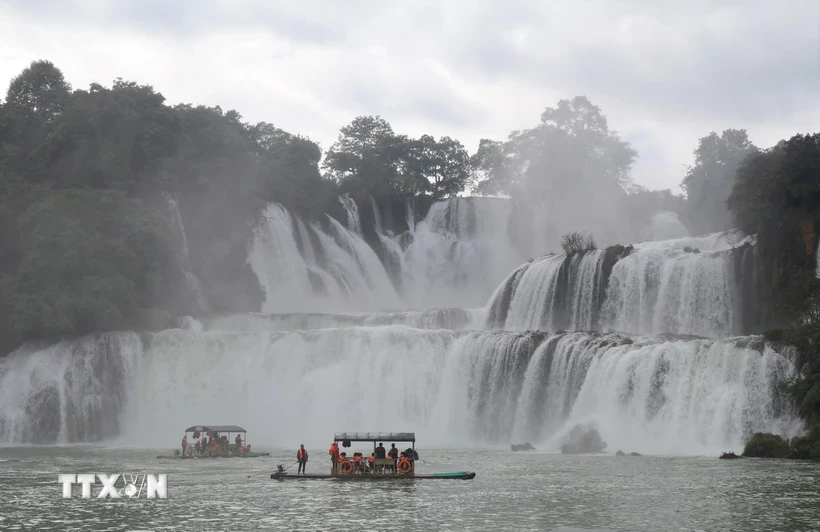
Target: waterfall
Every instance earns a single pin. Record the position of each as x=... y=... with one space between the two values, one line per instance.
x=685 y=286
x=445 y=318
x=72 y=391
x=178 y=230
x=339 y=272
x=458 y=253
x=551 y=293
x=658 y=288
x=275 y=258
x=478 y=387
x=353 y=221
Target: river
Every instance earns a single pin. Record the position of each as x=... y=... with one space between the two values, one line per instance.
x=512 y=491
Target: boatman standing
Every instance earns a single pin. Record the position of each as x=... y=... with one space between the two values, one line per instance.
x=302 y=458
x=184 y=443
x=334 y=455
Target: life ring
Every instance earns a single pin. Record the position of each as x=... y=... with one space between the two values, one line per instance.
x=189 y=451
x=405 y=466
x=346 y=467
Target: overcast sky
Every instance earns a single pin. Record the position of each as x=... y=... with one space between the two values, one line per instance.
x=664 y=73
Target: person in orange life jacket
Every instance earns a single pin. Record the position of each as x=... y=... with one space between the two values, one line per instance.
x=380 y=451
x=394 y=454
x=371 y=462
x=334 y=455
x=184 y=443
x=302 y=458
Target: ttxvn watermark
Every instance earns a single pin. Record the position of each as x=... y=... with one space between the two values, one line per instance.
x=117 y=486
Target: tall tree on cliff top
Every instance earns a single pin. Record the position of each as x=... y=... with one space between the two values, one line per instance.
x=35 y=99
x=571 y=152
x=709 y=182
x=571 y=172
x=443 y=164
x=369 y=157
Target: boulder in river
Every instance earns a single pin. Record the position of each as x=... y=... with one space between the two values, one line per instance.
x=729 y=456
x=526 y=446
x=620 y=453
x=583 y=440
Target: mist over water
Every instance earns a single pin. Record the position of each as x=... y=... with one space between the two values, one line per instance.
x=425 y=334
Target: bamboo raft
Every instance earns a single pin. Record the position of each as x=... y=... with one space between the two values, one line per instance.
x=381 y=468
x=458 y=475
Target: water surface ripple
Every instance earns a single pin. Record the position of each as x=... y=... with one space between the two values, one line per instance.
x=512 y=491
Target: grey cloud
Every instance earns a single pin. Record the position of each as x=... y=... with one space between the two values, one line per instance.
x=765 y=70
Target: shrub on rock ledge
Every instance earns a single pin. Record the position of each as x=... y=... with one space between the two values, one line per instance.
x=766 y=445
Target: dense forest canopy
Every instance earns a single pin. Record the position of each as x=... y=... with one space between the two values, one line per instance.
x=90 y=178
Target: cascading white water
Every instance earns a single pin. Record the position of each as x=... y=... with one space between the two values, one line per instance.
x=343 y=274
x=664 y=288
x=685 y=286
x=353 y=221
x=298 y=369
x=194 y=286
x=485 y=387
x=550 y=293
x=69 y=391
x=447 y=318
x=275 y=258
x=458 y=252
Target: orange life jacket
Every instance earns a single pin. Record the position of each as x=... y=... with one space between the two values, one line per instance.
x=301 y=454
x=371 y=459
x=334 y=450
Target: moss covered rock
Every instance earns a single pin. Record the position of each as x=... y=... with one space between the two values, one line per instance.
x=766 y=445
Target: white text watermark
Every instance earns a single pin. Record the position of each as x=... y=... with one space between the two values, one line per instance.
x=116 y=486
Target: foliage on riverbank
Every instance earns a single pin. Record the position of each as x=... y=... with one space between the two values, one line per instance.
x=766 y=445
x=777 y=196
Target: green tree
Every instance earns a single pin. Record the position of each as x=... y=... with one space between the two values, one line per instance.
x=570 y=153
x=443 y=165
x=109 y=138
x=709 y=182
x=89 y=259
x=776 y=194
x=39 y=94
x=370 y=156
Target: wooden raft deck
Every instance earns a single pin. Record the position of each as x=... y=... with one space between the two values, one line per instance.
x=457 y=475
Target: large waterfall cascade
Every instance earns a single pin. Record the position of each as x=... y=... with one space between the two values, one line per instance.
x=335 y=339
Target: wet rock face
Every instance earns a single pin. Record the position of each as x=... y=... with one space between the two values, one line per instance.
x=582 y=440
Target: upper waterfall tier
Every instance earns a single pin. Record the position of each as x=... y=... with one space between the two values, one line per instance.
x=686 y=286
x=649 y=394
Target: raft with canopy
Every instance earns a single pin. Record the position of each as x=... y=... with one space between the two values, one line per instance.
x=220 y=442
x=361 y=467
